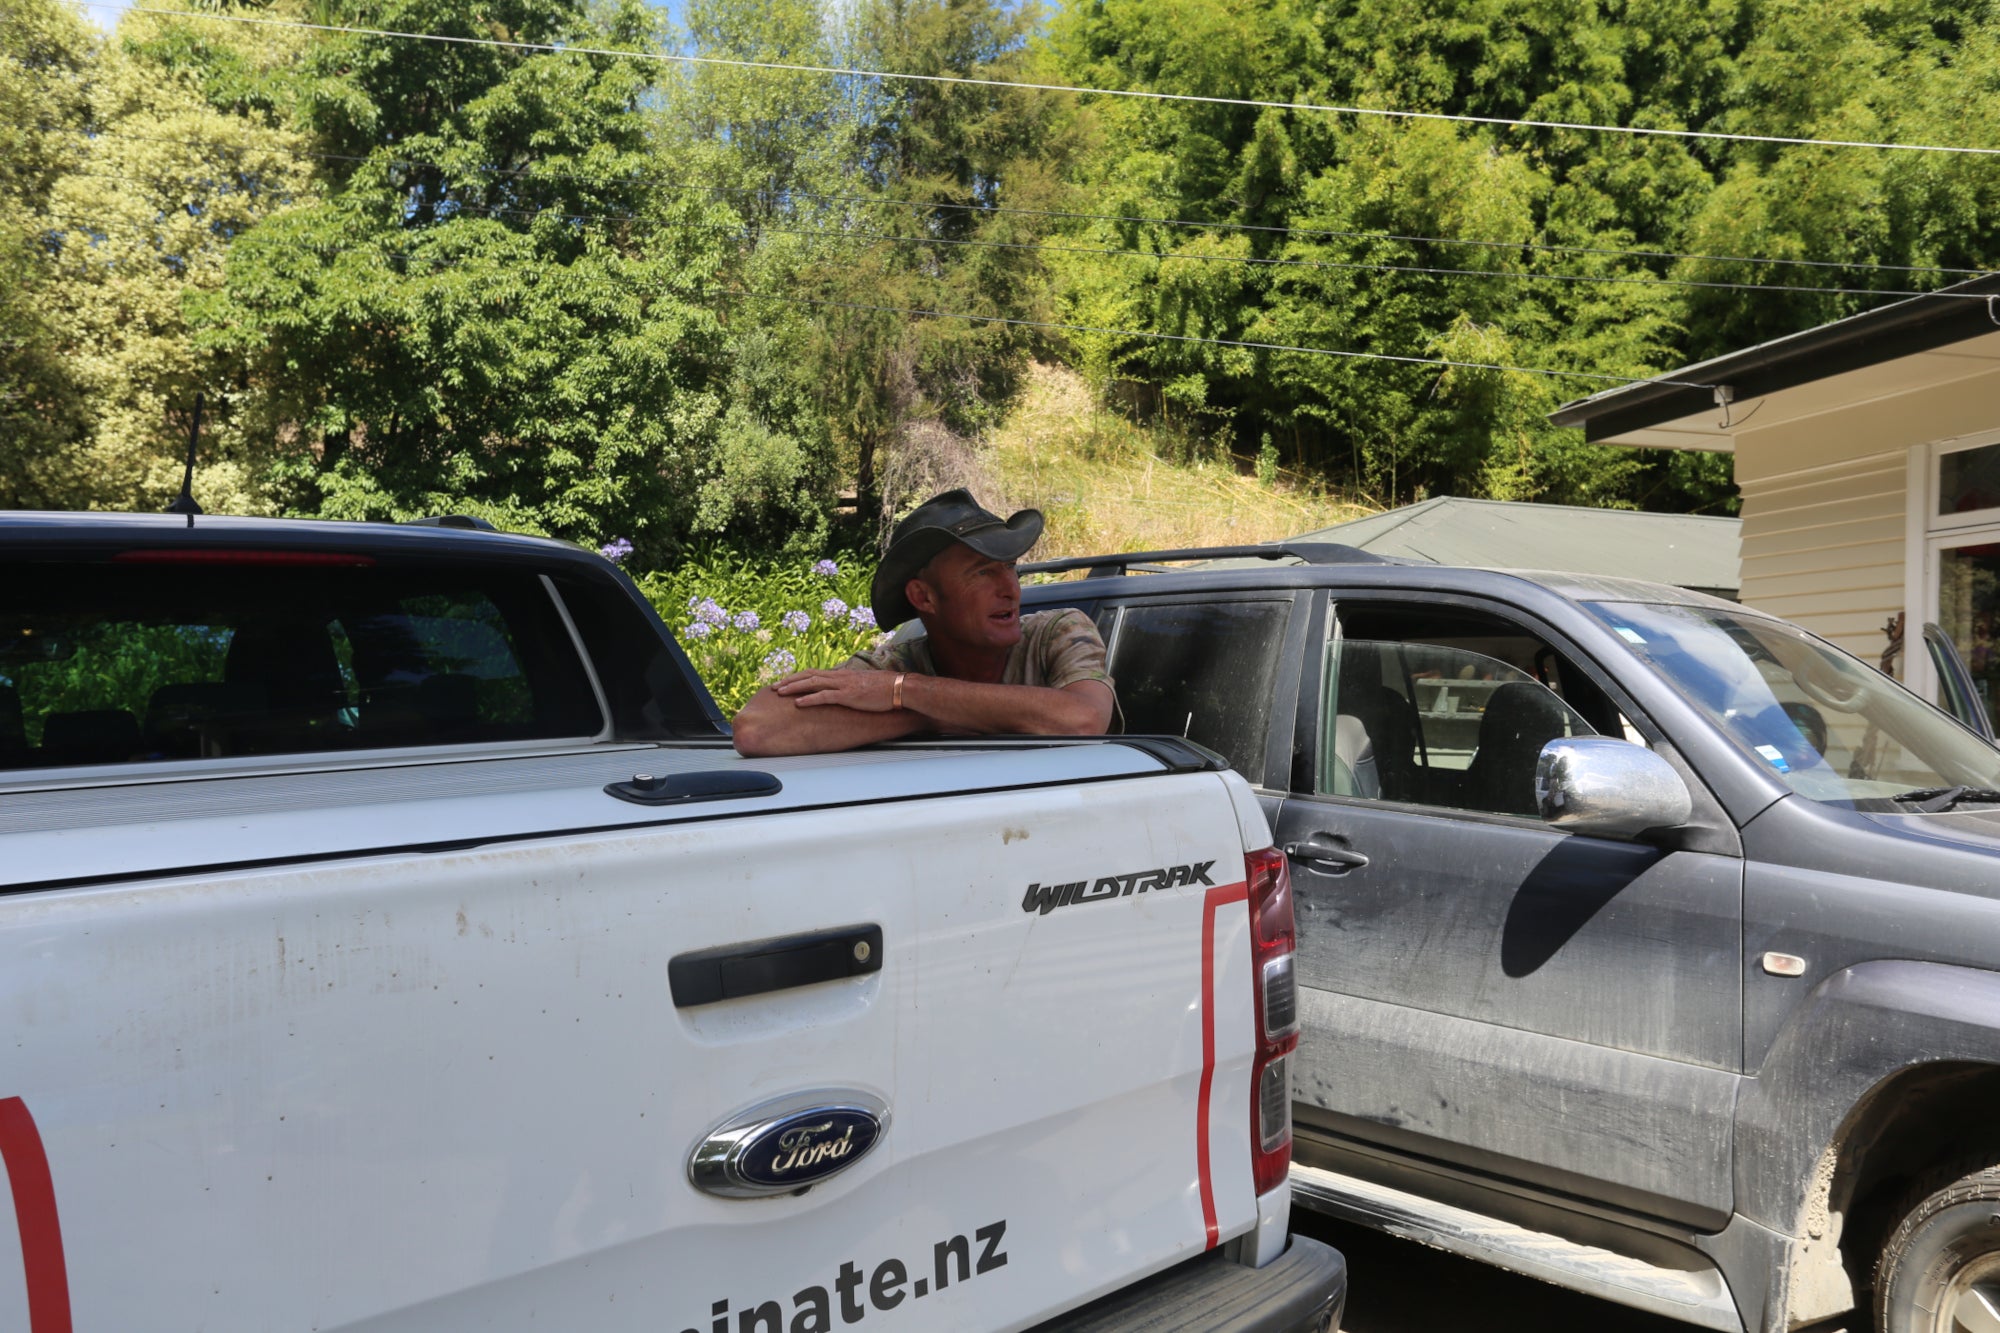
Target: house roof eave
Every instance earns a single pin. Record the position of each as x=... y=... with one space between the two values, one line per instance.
x=1633 y=414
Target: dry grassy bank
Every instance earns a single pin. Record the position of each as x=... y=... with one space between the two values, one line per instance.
x=1105 y=486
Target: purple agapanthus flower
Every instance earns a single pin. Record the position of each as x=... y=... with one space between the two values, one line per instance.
x=798 y=622
x=861 y=617
x=708 y=612
x=746 y=620
x=833 y=608
x=779 y=660
x=701 y=629
x=615 y=550
x=826 y=568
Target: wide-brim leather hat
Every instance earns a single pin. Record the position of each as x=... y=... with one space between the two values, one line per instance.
x=933 y=525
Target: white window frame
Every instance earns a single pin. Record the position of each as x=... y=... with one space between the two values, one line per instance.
x=1927 y=534
x=1934 y=485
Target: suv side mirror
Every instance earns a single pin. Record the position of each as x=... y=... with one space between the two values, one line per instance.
x=1608 y=788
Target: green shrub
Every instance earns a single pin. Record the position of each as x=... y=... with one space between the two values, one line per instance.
x=746 y=620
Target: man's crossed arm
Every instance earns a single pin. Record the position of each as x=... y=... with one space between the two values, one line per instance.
x=813 y=712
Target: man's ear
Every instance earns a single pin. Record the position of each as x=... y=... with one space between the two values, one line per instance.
x=921 y=596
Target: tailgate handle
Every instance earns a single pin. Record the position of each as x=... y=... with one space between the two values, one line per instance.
x=708 y=784
x=760 y=966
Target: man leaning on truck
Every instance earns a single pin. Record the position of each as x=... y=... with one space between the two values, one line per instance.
x=980 y=666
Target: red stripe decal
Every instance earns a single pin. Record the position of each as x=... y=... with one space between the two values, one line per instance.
x=35 y=1214
x=1217 y=898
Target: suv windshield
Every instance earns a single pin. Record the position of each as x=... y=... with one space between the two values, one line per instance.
x=1833 y=727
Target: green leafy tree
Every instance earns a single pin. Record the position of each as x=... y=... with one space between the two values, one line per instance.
x=492 y=311
x=599 y=296
x=190 y=148
x=1898 y=72
x=47 y=56
x=131 y=165
x=935 y=158
x=1591 y=302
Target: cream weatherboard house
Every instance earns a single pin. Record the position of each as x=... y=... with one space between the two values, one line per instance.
x=1868 y=455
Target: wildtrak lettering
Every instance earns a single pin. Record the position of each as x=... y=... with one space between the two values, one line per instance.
x=1046 y=898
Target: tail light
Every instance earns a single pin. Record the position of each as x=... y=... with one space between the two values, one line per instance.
x=1273 y=939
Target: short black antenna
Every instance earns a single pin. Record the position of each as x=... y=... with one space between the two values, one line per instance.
x=184 y=503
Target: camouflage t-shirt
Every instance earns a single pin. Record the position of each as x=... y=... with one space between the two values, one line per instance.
x=1057 y=648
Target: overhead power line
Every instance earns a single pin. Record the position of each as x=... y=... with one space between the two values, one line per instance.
x=1319 y=233
x=998 y=210
x=1439 y=362
x=1504 y=122
x=843 y=236
x=793 y=298
x=1354 y=266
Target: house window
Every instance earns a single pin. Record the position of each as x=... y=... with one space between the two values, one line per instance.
x=1968 y=592
x=1959 y=586
x=1968 y=482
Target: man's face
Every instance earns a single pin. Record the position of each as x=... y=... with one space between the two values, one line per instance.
x=969 y=598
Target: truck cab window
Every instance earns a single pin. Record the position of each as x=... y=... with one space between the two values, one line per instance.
x=1203 y=670
x=103 y=663
x=1450 y=712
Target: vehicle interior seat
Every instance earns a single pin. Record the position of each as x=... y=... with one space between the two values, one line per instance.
x=435 y=709
x=1354 y=772
x=1392 y=724
x=90 y=736
x=195 y=719
x=1387 y=719
x=449 y=702
x=292 y=664
x=13 y=735
x=1521 y=717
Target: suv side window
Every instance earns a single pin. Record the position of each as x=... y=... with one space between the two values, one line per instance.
x=1204 y=670
x=1447 y=710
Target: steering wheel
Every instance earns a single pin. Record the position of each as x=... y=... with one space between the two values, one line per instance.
x=1810 y=723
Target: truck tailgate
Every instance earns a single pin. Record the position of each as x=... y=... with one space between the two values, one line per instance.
x=442 y=1081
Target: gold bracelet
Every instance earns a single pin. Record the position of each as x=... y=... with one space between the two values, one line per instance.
x=896 y=690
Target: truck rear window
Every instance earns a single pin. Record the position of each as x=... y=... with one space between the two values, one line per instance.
x=135 y=660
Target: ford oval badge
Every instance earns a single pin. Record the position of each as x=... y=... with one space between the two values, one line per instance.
x=787 y=1146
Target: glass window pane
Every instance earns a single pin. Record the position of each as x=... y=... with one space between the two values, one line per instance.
x=1832 y=727
x=1969 y=480
x=116 y=663
x=1428 y=724
x=1969 y=611
x=1204 y=671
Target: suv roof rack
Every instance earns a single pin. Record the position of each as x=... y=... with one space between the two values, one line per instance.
x=1311 y=553
x=465 y=521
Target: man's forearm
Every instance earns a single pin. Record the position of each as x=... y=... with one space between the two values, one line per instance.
x=813 y=712
x=1029 y=710
x=771 y=724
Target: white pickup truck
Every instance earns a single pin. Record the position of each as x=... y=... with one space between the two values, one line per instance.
x=391 y=940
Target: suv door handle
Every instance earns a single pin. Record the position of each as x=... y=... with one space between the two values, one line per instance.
x=1326 y=853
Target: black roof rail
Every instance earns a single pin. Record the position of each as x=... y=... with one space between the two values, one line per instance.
x=1311 y=553
x=1177 y=753
x=465 y=521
